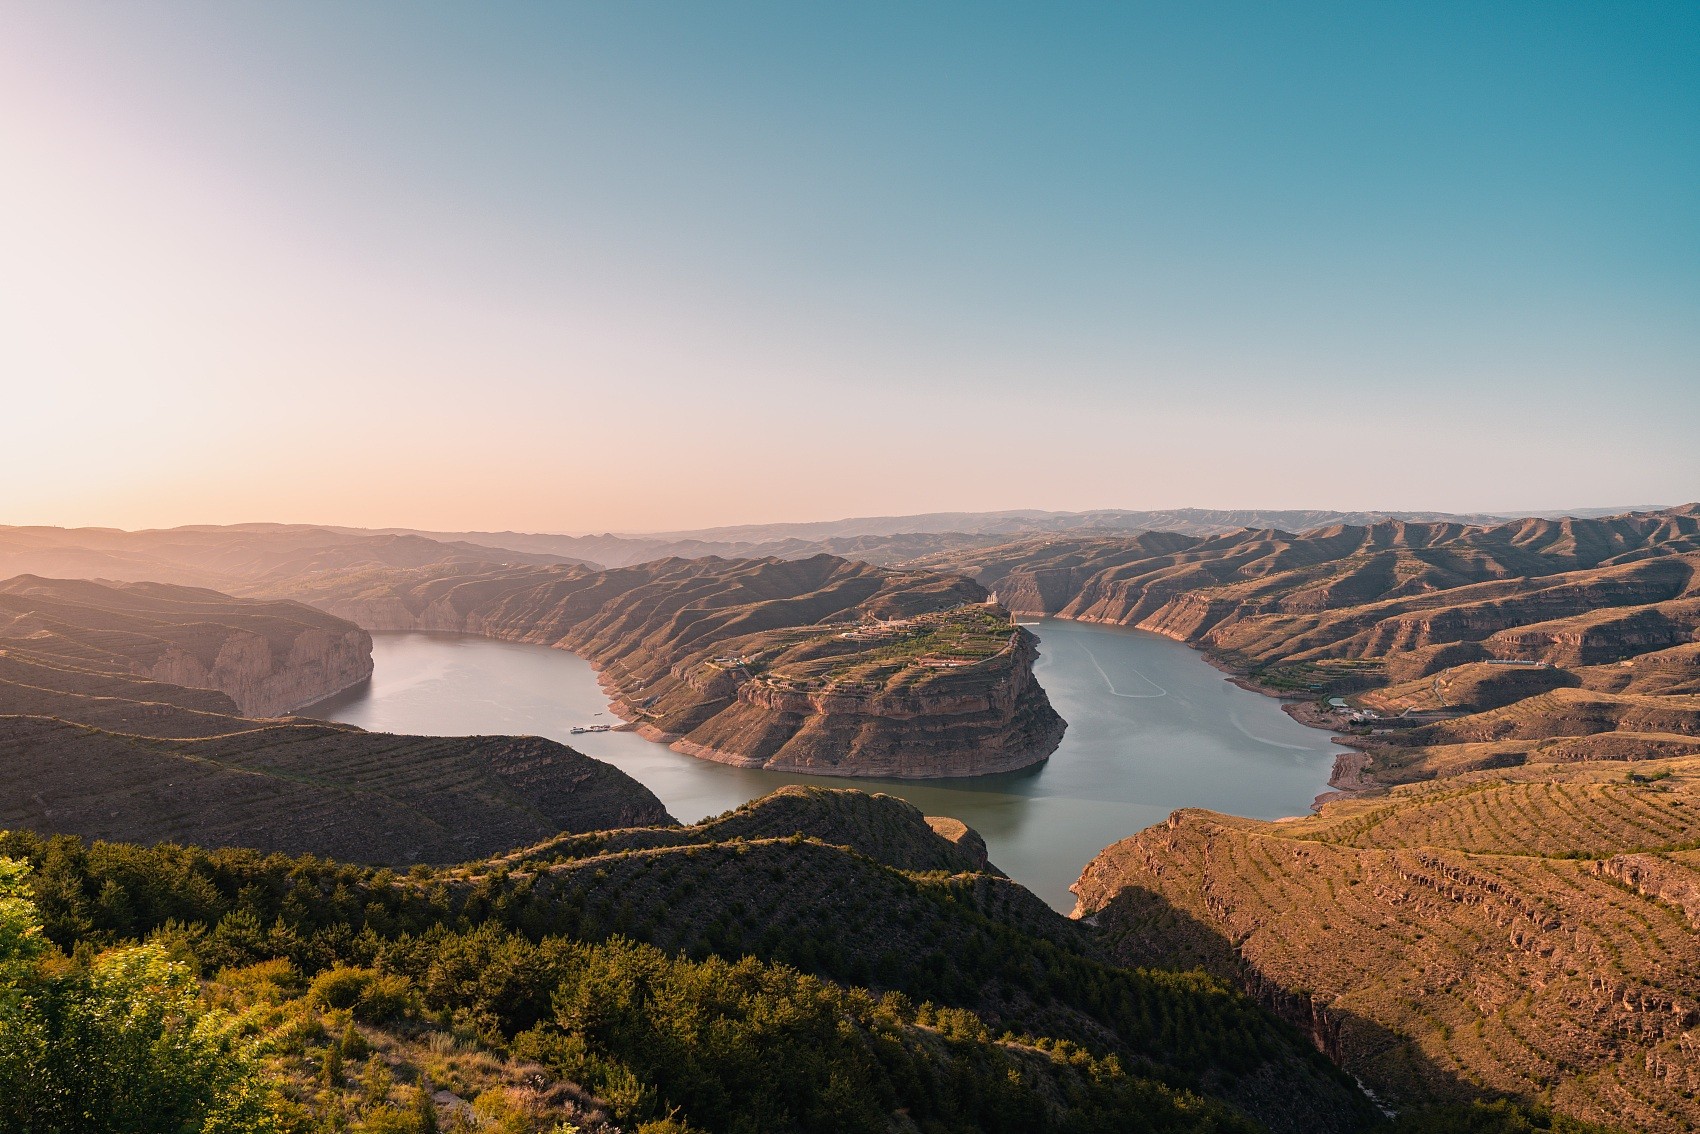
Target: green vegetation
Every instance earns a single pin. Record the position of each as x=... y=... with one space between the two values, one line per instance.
x=872 y=653
x=113 y=1042
x=1328 y=677
x=369 y=993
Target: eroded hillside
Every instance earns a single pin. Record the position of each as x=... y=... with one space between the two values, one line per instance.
x=1528 y=932
x=814 y=665
x=266 y=657
x=1441 y=634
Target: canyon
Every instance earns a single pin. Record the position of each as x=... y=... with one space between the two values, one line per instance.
x=815 y=665
x=1431 y=636
x=1499 y=901
x=266 y=657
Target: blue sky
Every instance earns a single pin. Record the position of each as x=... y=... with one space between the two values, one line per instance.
x=571 y=267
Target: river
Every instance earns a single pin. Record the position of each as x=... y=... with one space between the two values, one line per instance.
x=1151 y=727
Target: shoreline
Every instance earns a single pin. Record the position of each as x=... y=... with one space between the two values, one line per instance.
x=1347 y=779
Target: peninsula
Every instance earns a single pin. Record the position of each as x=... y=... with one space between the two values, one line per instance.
x=818 y=665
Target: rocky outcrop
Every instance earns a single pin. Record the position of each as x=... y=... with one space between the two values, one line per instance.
x=994 y=718
x=816 y=665
x=268 y=657
x=960 y=835
x=319 y=663
x=120 y=718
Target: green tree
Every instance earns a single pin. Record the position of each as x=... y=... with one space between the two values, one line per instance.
x=115 y=1044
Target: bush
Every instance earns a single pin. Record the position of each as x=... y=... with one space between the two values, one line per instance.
x=119 y=1045
x=340 y=987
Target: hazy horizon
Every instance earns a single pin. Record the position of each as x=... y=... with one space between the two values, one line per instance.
x=830 y=521
x=575 y=268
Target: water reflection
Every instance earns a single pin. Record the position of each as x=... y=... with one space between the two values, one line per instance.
x=1152 y=727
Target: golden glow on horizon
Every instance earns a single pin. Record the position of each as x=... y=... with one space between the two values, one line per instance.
x=191 y=332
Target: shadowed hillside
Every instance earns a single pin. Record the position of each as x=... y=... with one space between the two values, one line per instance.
x=983 y=1010
x=121 y=717
x=310 y=788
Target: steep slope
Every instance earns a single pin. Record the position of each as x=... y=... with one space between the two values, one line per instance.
x=267 y=657
x=1530 y=932
x=1421 y=621
x=818 y=665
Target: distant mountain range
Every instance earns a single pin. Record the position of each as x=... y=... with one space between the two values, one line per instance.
x=891 y=540
x=248 y=558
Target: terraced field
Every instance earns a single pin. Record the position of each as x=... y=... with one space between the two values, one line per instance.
x=874 y=653
x=1529 y=932
x=310 y=788
x=121 y=718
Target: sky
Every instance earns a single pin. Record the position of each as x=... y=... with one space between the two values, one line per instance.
x=637 y=266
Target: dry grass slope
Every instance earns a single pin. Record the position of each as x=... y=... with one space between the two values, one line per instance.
x=1529 y=932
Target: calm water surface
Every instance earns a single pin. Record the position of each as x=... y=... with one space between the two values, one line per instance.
x=1151 y=727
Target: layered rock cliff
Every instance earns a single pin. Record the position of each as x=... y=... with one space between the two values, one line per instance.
x=1416 y=618
x=819 y=665
x=267 y=657
x=121 y=718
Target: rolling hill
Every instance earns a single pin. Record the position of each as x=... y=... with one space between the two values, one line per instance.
x=857 y=972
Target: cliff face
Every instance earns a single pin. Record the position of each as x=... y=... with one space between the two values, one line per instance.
x=320 y=662
x=818 y=665
x=993 y=719
x=1416 y=617
x=268 y=657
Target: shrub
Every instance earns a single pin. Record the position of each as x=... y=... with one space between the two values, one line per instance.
x=121 y=1045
